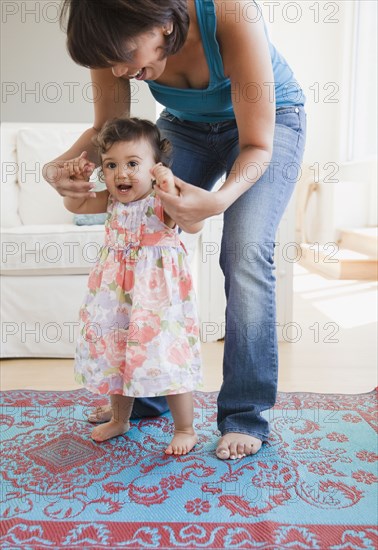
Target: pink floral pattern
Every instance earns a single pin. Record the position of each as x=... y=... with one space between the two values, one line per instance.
x=367 y=456
x=334 y=436
x=197 y=506
x=352 y=418
x=365 y=477
x=139 y=333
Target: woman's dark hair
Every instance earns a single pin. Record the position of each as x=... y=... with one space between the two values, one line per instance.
x=98 y=31
x=134 y=129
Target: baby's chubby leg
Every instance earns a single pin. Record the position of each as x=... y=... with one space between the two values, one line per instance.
x=119 y=424
x=184 y=439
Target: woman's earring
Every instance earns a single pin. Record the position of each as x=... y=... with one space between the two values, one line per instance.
x=166 y=31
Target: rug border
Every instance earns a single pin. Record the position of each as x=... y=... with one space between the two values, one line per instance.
x=263 y=533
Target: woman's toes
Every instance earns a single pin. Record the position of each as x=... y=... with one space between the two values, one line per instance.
x=240 y=449
x=235 y=445
x=255 y=446
x=223 y=453
x=233 y=450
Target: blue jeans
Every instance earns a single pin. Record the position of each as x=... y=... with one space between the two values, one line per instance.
x=203 y=153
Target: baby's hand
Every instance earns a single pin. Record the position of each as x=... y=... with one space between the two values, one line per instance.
x=79 y=168
x=164 y=179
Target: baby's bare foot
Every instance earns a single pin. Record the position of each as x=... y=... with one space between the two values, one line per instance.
x=101 y=414
x=235 y=445
x=182 y=443
x=109 y=430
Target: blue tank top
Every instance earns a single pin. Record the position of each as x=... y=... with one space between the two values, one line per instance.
x=214 y=103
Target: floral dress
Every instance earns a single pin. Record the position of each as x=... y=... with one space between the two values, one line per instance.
x=139 y=331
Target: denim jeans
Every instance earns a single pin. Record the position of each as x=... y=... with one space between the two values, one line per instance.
x=203 y=153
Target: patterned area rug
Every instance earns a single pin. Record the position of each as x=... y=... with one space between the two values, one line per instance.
x=313 y=485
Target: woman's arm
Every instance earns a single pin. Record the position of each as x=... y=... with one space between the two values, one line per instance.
x=252 y=78
x=112 y=99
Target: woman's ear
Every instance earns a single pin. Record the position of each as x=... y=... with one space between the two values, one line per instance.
x=168 y=29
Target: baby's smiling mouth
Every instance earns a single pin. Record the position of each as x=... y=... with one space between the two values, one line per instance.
x=123 y=187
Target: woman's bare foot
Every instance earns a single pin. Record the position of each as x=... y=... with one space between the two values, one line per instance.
x=182 y=443
x=234 y=445
x=109 y=430
x=101 y=414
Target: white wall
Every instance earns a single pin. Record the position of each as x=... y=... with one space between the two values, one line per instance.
x=40 y=82
x=316 y=40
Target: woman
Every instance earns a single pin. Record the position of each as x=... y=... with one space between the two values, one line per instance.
x=232 y=107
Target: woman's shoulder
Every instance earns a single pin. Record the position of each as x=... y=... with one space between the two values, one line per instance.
x=240 y=26
x=233 y=15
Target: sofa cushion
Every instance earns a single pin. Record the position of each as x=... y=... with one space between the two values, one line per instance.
x=50 y=249
x=39 y=203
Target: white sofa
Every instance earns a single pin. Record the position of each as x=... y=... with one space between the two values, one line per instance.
x=45 y=257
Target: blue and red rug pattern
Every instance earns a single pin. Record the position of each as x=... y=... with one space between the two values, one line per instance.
x=313 y=485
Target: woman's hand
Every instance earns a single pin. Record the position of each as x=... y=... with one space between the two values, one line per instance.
x=191 y=207
x=71 y=177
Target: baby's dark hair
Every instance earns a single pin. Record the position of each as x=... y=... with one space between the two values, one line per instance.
x=134 y=129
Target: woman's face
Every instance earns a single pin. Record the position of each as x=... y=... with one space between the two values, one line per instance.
x=147 y=57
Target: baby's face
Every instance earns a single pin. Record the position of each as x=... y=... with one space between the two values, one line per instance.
x=126 y=167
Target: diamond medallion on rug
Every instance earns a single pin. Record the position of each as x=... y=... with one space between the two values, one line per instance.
x=312 y=485
x=64 y=453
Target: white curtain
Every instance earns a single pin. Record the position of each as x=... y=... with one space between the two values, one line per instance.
x=363 y=123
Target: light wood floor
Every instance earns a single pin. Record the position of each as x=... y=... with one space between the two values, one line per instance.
x=332 y=347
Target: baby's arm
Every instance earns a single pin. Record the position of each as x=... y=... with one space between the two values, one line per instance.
x=165 y=181
x=80 y=168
